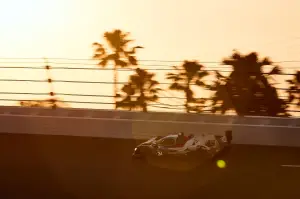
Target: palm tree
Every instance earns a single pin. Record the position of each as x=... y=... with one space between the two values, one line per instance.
x=188 y=74
x=294 y=88
x=247 y=89
x=120 y=54
x=140 y=90
x=221 y=101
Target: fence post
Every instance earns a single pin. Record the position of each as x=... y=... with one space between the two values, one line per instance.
x=51 y=93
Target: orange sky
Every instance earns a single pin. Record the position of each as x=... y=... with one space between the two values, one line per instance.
x=168 y=29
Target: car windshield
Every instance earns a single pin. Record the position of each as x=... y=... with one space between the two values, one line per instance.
x=167 y=142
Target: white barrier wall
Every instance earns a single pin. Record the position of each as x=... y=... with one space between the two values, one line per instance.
x=123 y=124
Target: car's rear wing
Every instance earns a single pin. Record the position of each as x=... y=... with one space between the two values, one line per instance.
x=228 y=135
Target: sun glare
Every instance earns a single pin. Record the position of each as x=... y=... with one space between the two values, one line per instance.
x=24 y=12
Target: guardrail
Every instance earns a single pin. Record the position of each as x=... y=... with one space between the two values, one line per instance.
x=135 y=125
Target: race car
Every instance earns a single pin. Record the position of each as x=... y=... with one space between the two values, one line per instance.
x=206 y=146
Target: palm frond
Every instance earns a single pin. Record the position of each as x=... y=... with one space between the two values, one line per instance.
x=120 y=63
x=275 y=71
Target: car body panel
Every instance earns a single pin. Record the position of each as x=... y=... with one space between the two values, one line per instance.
x=167 y=145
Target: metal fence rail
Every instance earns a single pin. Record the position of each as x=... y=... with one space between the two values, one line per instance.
x=166 y=103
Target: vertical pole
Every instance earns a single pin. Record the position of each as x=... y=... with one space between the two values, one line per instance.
x=51 y=93
x=115 y=85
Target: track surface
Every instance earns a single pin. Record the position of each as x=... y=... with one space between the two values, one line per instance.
x=57 y=167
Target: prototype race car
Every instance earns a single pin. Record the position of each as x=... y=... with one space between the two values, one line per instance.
x=203 y=146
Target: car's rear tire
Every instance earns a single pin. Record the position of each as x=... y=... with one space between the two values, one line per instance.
x=198 y=155
x=221 y=156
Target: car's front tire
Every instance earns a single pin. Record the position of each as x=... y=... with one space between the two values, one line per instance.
x=141 y=152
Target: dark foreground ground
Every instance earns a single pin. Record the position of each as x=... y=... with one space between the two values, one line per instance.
x=88 y=168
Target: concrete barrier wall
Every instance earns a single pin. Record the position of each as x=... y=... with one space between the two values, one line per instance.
x=160 y=116
x=257 y=134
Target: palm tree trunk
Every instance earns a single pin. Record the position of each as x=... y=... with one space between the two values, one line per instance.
x=187 y=107
x=143 y=101
x=145 y=107
x=187 y=97
x=115 y=85
x=187 y=110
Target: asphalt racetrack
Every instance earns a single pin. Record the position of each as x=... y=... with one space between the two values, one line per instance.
x=36 y=166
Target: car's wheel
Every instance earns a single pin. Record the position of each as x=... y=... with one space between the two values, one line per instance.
x=138 y=163
x=143 y=152
x=199 y=155
x=221 y=157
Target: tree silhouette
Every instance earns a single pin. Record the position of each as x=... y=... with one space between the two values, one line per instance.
x=46 y=103
x=140 y=90
x=188 y=74
x=294 y=88
x=120 y=55
x=247 y=89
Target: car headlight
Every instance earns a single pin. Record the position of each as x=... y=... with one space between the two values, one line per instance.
x=135 y=149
